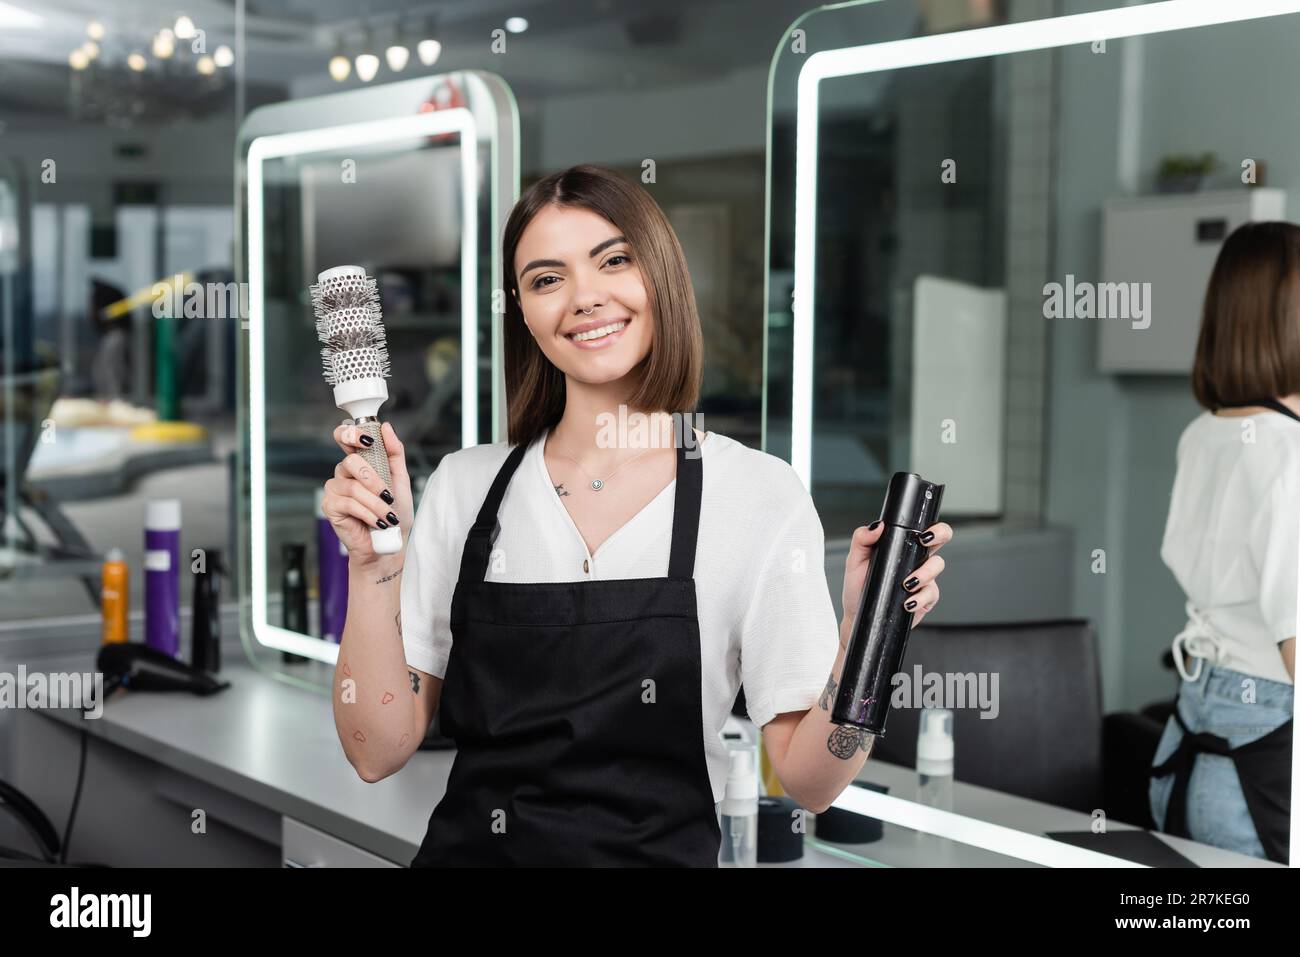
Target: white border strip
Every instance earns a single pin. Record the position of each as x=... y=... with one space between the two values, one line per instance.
x=968 y=830
x=459 y=120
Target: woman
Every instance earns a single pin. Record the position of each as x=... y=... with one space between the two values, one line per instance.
x=587 y=654
x=1222 y=770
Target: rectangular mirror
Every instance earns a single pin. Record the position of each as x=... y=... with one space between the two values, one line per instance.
x=410 y=181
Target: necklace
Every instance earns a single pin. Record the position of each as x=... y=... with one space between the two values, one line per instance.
x=598 y=484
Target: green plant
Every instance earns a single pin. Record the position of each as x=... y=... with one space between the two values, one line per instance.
x=1188 y=165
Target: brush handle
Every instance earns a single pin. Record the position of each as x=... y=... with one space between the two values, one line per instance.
x=385 y=541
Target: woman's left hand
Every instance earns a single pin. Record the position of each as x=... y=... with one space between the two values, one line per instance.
x=926 y=589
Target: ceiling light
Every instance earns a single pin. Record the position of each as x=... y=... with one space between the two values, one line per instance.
x=429 y=51
x=184 y=27
x=163 y=47
x=78 y=60
x=340 y=67
x=91 y=49
x=224 y=56
x=516 y=24
x=397 y=57
x=366 y=62
x=206 y=66
x=95 y=30
x=136 y=61
x=367 y=66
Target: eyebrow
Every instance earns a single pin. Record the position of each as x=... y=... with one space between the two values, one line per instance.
x=595 y=251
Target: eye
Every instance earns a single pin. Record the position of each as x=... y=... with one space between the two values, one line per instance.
x=618 y=256
x=537 y=283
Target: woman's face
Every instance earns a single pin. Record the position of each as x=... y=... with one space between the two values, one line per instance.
x=570 y=260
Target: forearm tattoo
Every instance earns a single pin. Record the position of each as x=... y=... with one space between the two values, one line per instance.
x=828 y=694
x=388 y=578
x=415 y=681
x=845 y=741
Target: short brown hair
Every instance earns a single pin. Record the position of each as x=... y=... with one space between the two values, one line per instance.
x=1249 y=345
x=673 y=369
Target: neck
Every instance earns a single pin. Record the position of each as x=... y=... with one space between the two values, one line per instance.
x=599 y=428
x=1292 y=401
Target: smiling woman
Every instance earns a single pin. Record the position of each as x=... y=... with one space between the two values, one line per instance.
x=582 y=610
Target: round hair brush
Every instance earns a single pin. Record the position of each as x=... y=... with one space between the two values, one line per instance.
x=355 y=358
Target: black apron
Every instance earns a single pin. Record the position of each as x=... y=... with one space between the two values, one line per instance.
x=576 y=711
x=1263 y=766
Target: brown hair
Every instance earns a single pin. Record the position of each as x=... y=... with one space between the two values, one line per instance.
x=1249 y=345
x=673 y=368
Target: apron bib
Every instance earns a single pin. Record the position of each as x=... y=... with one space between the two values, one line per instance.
x=576 y=712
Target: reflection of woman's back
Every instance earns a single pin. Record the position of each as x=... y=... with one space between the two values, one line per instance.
x=1221 y=773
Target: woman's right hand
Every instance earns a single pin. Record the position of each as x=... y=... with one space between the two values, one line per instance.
x=355 y=498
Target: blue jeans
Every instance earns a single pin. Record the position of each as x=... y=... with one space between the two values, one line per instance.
x=1216 y=810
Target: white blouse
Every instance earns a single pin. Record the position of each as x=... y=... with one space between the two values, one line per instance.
x=1232 y=540
x=765 y=610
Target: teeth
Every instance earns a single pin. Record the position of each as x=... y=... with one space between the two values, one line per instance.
x=597 y=333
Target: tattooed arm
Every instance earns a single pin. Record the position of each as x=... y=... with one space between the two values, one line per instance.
x=382 y=706
x=814 y=758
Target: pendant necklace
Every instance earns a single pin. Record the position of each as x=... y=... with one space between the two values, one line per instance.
x=598 y=484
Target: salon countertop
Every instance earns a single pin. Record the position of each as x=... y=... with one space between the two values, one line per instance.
x=275 y=744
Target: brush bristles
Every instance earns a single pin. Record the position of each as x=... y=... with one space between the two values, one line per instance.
x=349 y=322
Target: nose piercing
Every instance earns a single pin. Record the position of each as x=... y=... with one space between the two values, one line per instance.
x=586 y=312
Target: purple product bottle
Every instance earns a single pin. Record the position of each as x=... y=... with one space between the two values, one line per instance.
x=162 y=575
x=332 y=568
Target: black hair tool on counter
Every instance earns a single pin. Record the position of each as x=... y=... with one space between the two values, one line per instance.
x=137 y=666
x=880 y=631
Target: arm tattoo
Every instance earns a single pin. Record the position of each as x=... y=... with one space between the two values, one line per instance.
x=561 y=490
x=415 y=681
x=828 y=694
x=845 y=741
x=388 y=578
x=398 y=619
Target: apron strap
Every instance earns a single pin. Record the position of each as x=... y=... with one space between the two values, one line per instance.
x=686 y=517
x=1180 y=764
x=478 y=543
x=686 y=513
x=1270 y=402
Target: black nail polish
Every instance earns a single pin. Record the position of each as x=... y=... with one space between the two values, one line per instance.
x=910 y=604
x=911 y=583
x=874 y=525
x=381 y=523
x=927 y=538
x=366 y=439
x=387 y=496
x=392 y=519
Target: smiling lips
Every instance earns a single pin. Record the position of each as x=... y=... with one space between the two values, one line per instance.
x=599 y=333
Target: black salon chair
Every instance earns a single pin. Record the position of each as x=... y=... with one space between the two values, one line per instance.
x=1046 y=741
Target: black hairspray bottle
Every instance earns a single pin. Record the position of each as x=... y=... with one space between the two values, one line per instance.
x=875 y=651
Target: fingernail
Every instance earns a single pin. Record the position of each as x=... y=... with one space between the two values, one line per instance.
x=366 y=439
x=910 y=604
x=874 y=525
x=927 y=538
x=381 y=523
x=392 y=519
x=911 y=583
x=387 y=496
